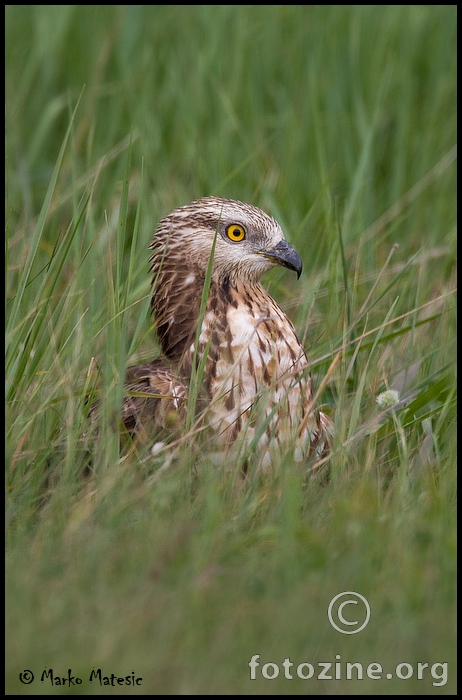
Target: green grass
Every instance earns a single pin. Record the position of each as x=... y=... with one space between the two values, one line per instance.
x=340 y=122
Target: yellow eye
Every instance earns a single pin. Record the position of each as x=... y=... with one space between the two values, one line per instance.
x=235 y=233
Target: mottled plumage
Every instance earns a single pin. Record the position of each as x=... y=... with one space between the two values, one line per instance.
x=256 y=390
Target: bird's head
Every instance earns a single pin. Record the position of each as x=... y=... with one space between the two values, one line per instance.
x=248 y=242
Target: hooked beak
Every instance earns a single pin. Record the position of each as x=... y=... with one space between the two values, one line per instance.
x=283 y=254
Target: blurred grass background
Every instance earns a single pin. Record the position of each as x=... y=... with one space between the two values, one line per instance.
x=340 y=121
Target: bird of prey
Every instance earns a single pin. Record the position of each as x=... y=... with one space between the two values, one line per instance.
x=256 y=394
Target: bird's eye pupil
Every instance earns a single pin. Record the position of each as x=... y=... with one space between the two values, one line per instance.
x=235 y=232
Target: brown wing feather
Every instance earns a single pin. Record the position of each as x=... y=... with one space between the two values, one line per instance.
x=161 y=413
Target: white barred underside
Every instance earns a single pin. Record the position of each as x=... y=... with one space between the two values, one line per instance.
x=266 y=385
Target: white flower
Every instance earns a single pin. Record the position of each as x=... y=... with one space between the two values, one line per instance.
x=387 y=399
x=157 y=447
